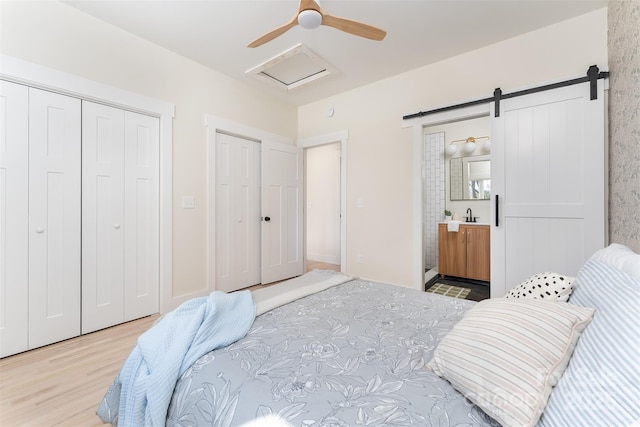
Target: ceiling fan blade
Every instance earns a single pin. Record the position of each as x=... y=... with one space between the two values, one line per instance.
x=353 y=27
x=309 y=5
x=274 y=33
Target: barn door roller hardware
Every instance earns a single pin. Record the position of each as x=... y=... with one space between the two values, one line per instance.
x=592 y=77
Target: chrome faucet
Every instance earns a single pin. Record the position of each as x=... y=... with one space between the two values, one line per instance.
x=470 y=217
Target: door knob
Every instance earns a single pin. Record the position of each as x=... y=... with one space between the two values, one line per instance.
x=116 y=226
x=266 y=218
x=39 y=230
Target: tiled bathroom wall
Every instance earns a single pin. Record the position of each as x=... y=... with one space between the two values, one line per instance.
x=434 y=194
x=456 y=180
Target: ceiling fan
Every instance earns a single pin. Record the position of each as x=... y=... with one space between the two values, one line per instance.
x=310 y=15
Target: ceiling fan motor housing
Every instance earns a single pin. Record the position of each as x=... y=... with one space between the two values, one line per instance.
x=309 y=19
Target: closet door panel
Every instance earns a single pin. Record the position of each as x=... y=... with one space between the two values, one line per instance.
x=14 y=224
x=247 y=216
x=102 y=216
x=237 y=214
x=54 y=217
x=225 y=231
x=141 y=220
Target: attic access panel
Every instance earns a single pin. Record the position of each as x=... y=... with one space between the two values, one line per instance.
x=293 y=69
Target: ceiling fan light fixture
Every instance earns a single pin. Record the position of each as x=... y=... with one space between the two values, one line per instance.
x=309 y=19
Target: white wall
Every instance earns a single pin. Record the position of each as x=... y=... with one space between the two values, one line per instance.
x=323 y=203
x=55 y=35
x=380 y=149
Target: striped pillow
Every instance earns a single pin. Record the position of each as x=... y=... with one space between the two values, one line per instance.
x=506 y=355
x=601 y=387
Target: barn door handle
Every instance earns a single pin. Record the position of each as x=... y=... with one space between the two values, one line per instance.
x=497 y=211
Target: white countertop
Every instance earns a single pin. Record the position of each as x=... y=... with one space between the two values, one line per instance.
x=466 y=223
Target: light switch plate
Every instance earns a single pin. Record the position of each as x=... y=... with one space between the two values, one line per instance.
x=188 y=202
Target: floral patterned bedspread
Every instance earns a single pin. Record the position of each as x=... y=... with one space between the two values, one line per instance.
x=352 y=355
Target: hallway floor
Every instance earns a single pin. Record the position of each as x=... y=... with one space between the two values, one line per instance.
x=311 y=265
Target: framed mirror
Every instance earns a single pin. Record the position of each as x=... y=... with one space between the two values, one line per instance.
x=470 y=178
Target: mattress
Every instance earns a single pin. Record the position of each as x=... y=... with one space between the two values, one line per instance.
x=353 y=354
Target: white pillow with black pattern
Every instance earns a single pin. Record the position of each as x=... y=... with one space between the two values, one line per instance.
x=548 y=286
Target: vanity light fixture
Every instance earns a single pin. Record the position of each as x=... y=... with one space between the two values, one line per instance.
x=486 y=146
x=469 y=145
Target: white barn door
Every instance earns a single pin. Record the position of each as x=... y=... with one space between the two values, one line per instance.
x=548 y=172
x=282 y=186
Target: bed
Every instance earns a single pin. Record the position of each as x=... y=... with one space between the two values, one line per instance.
x=363 y=353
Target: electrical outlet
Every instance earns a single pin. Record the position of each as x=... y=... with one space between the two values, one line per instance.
x=360 y=259
x=188 y=202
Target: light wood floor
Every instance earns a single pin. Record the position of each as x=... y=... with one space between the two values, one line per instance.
x=63 y=383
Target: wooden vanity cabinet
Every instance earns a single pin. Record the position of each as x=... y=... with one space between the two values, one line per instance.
x=465 y=253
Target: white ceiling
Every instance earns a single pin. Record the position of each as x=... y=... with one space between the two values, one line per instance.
x=419 y=32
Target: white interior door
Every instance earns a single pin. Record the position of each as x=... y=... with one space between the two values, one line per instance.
x=54 y=217
x=141 y=215
x=282 y=198
x=14 y=222
x=548 y=170
x=237 y=213
x=102 y=216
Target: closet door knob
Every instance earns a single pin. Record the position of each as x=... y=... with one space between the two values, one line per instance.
x=39 y=230
x=239 y=220
x=116 y=226
x=266 y=218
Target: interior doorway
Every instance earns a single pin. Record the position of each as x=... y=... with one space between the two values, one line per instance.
x=322 y=205
x=333 y=146
x=419 y=124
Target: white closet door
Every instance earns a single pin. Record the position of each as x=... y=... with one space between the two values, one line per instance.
x=237 y=213
x=54 y=217
x=225 y=231
x=548 y=168
x=141 y=210
x=14 y=231
x=103 y=225
x=282 y=184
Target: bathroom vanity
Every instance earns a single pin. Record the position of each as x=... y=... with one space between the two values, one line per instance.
x=465 y=253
